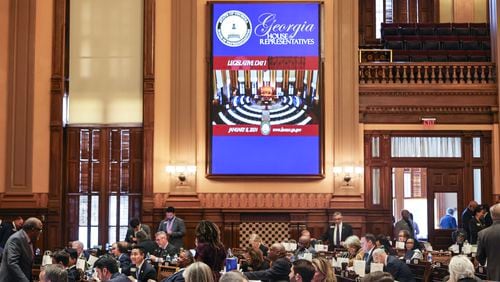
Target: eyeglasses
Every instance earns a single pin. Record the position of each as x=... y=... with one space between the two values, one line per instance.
x=38 y=229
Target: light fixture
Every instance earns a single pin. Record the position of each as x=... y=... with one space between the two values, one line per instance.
x=348 y=172
x=181 y=171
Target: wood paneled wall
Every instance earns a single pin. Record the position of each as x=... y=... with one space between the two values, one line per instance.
x=315 y=220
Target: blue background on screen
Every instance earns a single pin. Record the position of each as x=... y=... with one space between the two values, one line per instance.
x=265 y=155
x=286 y=13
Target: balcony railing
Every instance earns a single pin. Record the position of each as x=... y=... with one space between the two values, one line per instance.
x=428 y=73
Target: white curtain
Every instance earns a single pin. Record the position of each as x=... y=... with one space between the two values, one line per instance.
x=426 y=147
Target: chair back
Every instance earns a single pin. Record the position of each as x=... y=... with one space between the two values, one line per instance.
x=166 y=271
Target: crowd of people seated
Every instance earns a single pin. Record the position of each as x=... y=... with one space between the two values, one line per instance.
x=381 y=258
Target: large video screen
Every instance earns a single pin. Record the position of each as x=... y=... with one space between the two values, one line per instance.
x=265 y=103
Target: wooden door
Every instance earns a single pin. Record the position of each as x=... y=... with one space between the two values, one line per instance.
x=445 y=186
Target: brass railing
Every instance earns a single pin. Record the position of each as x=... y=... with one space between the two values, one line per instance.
x=428 y=73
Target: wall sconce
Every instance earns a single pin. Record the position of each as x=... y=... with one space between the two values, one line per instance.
x=181 y=171
x=348 y=172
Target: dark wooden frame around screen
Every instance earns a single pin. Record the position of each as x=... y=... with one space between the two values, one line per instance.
x=321 y=92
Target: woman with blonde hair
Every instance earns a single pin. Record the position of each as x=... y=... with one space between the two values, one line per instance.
x=323 y=271
x=198 y=272
x=353 y=246
x=256 y=243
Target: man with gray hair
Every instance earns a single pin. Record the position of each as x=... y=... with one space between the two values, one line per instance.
x=337 y=233
x=53 y=273
x=18 y=253
x=488 y=243
x=398 y=269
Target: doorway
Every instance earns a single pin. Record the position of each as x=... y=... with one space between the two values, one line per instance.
x=409 y=192
x=431 y=196
x=433 y=174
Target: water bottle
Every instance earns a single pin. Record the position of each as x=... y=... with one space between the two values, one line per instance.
x=429 y=257
x=148 y=258
x=174 y=259
x=231 y=261
x=37 y=252
x=168 y=259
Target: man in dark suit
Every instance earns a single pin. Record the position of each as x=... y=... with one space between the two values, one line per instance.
x=174 y=227
x=18 y=252
x=280 y=266
x=488 y=244
x=136 y=226
x=467 y=215
x=185 y=259
x=368 y=243
x=8 y=228
x=120 y=251
x=107 y=270
x=337 y=233
x=141 y=269
x=73 y=273
x=398 y=269
x=164 y=247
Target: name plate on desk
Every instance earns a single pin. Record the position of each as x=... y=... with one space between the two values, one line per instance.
x=321 y=248
x=375 y=55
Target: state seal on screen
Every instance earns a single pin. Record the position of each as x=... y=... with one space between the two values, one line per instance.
x=233 y=28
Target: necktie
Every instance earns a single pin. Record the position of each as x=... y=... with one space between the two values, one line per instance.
x=338 y=235
x=137 y=274
x=169 y=225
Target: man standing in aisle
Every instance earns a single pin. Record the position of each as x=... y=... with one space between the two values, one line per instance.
x=18 y=252
x=467 y=215
x=336 y=234
x=488 y=244
x=174 y=227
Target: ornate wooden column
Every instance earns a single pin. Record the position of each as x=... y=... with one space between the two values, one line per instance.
x=148 y=109
x=58 y=89
x=21 y=91
x=495 y=44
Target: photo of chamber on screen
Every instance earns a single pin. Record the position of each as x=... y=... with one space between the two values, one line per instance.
x=257 y=97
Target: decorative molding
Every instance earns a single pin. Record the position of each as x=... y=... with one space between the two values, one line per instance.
x=21 y=89
x=265 y=200
x=24 y=201
x=405 y=93
x=430 y=109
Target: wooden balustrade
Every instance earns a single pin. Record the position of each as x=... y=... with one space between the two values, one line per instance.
x=427 y=73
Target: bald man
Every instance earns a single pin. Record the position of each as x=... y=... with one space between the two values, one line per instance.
x=467 y=215
x=18 y=253
x=280 y=267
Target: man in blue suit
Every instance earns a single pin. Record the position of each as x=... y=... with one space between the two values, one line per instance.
x=120 y=251
x=398 y=269
x=18 y=252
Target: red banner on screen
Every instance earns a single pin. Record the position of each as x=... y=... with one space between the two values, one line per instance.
x=255 y=130
x=265 y=63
